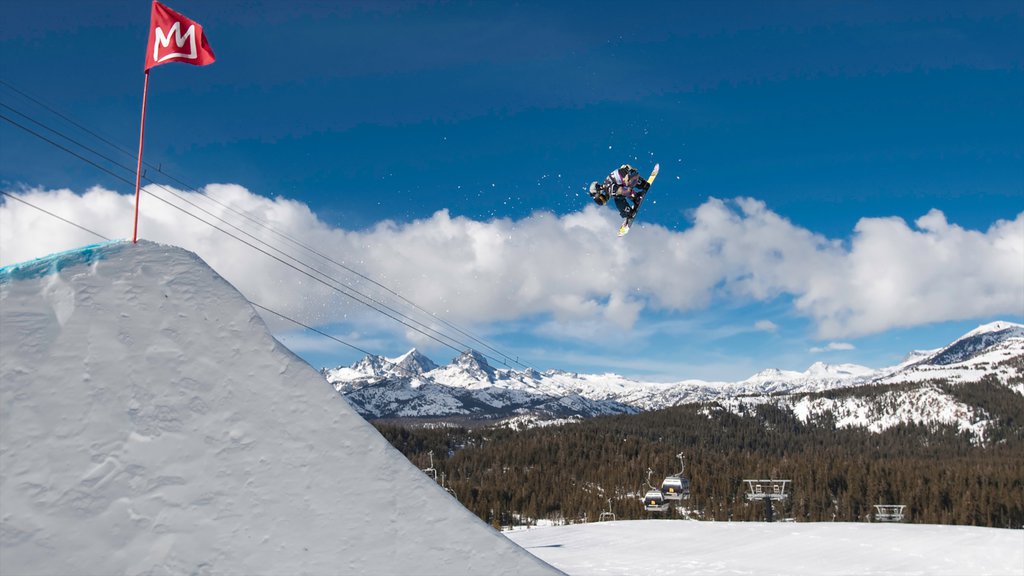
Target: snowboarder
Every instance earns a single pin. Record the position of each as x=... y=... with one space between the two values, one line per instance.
x=625 y=185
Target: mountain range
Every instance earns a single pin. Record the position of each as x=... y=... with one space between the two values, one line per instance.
x=916 y=390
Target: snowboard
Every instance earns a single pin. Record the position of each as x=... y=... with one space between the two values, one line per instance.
x=624 y=229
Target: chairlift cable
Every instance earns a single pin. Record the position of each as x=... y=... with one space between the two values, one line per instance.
x=108 y=171
x=159 y=169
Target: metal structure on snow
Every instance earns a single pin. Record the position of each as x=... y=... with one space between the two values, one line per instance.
x=769 y=491
x=889 y=512
x=432 y=472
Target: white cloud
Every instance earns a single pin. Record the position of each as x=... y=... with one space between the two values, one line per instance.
x=567 y=275
x=766 y=326
x=897 y=276
x=832 y=347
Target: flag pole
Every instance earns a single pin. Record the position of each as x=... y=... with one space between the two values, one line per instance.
x=138 y=167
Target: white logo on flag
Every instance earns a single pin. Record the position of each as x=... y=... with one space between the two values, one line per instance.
x=179 y=39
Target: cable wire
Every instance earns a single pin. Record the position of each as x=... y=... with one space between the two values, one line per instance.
x=394 y=365
x=346 y=291
x=361 y=298
x=506 y=358
x=79 y=226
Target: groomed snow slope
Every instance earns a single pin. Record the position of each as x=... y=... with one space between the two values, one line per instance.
x=149 y=423
x=654 y=547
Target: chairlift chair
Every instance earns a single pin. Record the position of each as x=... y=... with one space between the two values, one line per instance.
x=676 y=487
x=654 y=501
x=608 y=514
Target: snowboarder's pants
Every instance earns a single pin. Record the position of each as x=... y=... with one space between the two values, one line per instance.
x=624 y=206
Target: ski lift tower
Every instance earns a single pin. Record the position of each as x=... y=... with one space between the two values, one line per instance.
x=889 y=512
x=448 y=488
x=431 y=471
x=769 y=491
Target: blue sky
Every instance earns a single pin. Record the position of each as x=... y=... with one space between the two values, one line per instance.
x=845 y=123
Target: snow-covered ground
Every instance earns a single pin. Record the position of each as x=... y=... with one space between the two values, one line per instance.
x=149 y=424
x=653 y=547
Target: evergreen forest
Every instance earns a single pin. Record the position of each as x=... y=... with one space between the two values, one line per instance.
x=573 y=472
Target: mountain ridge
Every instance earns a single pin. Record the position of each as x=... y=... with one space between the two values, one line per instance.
x=470 y=387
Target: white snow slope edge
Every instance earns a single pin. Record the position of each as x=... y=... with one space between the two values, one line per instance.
x=149 y=423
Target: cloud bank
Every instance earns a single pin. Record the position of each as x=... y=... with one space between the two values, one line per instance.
x=564 y=274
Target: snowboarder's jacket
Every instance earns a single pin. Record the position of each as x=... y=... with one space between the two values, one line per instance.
x=624 y=182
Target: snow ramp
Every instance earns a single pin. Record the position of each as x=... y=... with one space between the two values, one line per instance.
x=149 y=423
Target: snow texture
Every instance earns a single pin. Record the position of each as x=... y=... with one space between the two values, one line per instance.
x=653 y=547
x=150 y=424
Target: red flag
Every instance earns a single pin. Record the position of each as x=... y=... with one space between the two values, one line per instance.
x=175 y=38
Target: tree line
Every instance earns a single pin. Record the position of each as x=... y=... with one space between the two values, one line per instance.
x=571 y=471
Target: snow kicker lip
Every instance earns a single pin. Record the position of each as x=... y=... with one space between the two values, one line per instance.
x=56 y=262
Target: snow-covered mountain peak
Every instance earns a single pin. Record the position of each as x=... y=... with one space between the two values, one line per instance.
x=916 y=356
x=414 y=362
x=817 y=371
x=823 y=370
x=773 y=375
x=1011 y=329
x=469 y=386
x=371 y=366
x=474 y=365
x=818 y=368
x=975 y=342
